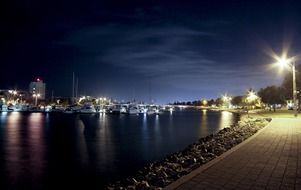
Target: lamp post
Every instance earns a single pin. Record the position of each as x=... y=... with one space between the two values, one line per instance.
x=36 y=98
x=283 y=61
x=250 y=99
x=294 y=89
x=20 y=98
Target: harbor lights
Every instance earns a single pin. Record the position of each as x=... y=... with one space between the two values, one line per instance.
x=283 y=61
x=227 y=101
x=12 y=95
x=102 y=100
x=36 y=96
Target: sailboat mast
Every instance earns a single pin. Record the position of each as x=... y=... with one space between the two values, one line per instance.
x=73 y=81
x=76 y=88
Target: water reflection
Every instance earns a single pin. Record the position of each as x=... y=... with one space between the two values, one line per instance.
x=157 y=132
x=226 y=119
x=13 y=147
x=95 y=147
x=170 y=128
x=81 y=143
x=145 y=137
x=144 y=123
x=36 y=146
x=157 y=123
x=204 y=123
x=3 y=116
x=94 y=142
x=103 y=142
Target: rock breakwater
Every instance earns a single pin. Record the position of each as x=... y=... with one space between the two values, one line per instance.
x=159 y=174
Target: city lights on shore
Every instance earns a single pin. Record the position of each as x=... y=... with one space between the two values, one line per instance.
x=36 y=96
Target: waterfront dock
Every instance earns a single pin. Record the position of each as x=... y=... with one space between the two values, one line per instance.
x=271 y=159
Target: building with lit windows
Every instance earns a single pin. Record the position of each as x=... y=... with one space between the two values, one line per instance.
x=38 y=87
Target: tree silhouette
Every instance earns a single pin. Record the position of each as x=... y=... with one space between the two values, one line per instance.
x=272 y=95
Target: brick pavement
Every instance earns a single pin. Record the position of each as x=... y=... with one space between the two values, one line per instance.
x=270 y=160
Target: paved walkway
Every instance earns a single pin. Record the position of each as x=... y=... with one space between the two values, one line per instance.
x=270 y=160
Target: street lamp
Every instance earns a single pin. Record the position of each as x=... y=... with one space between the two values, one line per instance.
x=227 y=100
x=20 y=98
x=285 y=62
x=36 y=98
x=251 y=97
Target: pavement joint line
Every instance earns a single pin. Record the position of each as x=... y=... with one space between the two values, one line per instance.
x=211 y=163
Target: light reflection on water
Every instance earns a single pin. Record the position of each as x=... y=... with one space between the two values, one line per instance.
x=204 y=122
x=12 y=146
x=226 y=119
x=35 y=142
x=96 y=148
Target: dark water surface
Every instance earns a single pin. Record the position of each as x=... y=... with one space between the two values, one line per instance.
x=55 y=150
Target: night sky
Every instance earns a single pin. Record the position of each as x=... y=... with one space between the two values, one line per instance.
x=163 y=50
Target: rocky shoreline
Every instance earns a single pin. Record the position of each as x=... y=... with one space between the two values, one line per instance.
x=158 y=175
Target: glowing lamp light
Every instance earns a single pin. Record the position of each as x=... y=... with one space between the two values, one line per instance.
x=283 y=62
x=226 y=98
x=251 y=96
x=36 y=98
x=36 y=95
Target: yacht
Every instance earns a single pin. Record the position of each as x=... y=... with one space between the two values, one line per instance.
x=134 y=110
x=48 y=108
x=142 y=109
x=150 y=111
x=116 y=109
x=76 y=108
x=57 y=108
x=4 y=108
x=69 y=110
x=88 y=109
x=16 y=107
x=123 y=109
x=157 y=110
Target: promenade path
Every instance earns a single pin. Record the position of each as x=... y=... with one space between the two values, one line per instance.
x=271 y=159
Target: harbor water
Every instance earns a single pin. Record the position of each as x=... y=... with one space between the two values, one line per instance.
x=56 y=150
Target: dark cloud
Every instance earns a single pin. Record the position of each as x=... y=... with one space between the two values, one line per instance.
x=171 y=57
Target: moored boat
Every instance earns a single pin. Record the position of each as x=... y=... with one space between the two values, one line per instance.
x=69 y=110
x=134 y=110
x=88 y=109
